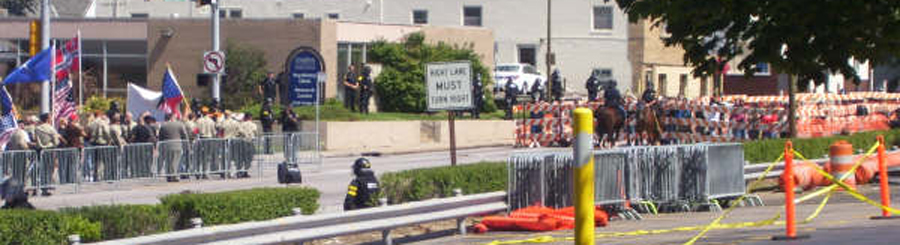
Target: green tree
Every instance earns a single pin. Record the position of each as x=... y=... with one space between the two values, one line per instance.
x=246 y=67
x=20 y=7
x=803 y=38
x=401 y=83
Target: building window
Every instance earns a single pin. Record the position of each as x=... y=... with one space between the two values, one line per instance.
x=334 y=16
x=140 y=15
x=682 y=85
x=298 y=15
x=420 y=17
x=704 y=86
x=762 y=69
x=472 y=16
x=603 y=18
x=662 y=85
x=235 y=13
x=527 y=54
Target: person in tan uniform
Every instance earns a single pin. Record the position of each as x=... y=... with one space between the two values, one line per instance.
x=98 y=135
x=229 y=128
x=247 y=133
x=206 y=127
x=46 y=138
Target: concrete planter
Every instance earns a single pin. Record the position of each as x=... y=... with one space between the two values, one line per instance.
x=410 y=136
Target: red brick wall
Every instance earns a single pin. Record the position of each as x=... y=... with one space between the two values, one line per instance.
x=755 y=85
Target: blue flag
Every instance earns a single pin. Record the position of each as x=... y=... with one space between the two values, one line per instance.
x=36 y=69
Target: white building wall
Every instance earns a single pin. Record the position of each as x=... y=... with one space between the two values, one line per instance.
x=349 y=10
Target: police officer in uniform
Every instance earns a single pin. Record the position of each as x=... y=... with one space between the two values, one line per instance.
x=556 y=85
x=363 y=187
x=268 y=88
x=365 y=89
x=351 y=85
x=613 y=99
x=477 y=95
x=267 y=118
x=512 y=91
x=592 y=85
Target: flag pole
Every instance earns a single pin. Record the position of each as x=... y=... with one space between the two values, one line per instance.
x=80 y=73
x=53 y=82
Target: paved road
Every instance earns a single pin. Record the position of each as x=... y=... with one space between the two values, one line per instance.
x=332 y=179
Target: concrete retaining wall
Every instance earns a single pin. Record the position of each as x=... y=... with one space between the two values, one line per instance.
x=411 y=136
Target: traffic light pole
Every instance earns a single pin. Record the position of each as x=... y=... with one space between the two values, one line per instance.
x=214 y=6
x=45 y=43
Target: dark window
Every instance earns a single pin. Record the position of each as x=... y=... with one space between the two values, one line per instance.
x=762 y=68
x=682 y=85
x=472 y=16
x=527 y=55
x=603 y=17
x=140 y=15
x=420 y=17
x=223 y=13
x=334 y=16
x=704 y=86
x=298 y=15
x=662 y=85
x=236 y=13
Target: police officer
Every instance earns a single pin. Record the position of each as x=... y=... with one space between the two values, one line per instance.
x=592 y=85
x=613 y=99
x=556 y=85
x=536 y=91
x=268 y=88
x=195 y=107
x=477 y=95
x=113 y=110
x=365 y=89
x=363 y=187
x=512 y=90
x=266 y=116
x=351 y=85
x=648 y=98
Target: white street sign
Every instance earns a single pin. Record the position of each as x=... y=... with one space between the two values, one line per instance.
x=449 y=86
x=213 y=62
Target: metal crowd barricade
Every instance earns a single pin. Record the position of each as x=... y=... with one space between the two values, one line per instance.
x=101 y=163
x=653 y=174
x=302 y=148
x=209 y=156
x=173 y=156
x=241 y=154
x=609 y=180
x=525 y=180
x=138 y=160
x=16 y=164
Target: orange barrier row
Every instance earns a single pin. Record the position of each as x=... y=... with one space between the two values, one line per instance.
x=537 y=218
x=806 y=176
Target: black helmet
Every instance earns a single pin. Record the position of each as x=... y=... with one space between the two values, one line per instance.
x=360 y=164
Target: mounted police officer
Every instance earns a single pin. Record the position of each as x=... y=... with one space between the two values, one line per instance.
x=613 y=99
x=556 y=85
x=512 y=91
x=648 y=98
x=592 y=85
x=477 y=95
x=363 y=187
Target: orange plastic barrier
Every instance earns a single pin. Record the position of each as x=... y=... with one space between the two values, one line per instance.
x=537 y=218
x=806 y=176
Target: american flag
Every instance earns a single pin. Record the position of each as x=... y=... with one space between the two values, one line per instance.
x=67 y=62
x=171 y=94
x=7 y=117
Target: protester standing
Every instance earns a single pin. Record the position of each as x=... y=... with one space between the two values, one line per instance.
x=170 y=135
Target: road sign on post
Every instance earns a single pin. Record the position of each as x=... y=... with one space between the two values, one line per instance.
x=213 y=62
x=449 y=88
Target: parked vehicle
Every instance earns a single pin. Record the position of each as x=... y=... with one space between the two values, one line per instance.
x=523 y=75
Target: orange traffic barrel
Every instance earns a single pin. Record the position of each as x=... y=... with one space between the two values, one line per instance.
x=841 y=154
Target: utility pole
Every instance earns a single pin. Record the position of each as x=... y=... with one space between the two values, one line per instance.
x=45 y=43
x=549 y=56
x=214 y=7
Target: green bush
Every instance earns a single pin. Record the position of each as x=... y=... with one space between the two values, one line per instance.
x=98 y=103
x=768 y=150
x=240 y=206
x=421 y=184
x=26 y=227
x=123 y=221
x=401 y=84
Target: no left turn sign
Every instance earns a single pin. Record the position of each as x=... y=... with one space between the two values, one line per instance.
x=213 y=62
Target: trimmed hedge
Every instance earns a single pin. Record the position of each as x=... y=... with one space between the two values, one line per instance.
x=768 y=150
x=421 y=184
x=123 y=221
x=25 y=227
x=240 y=206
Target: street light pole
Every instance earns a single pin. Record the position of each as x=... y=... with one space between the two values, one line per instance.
x=214 y=7
x=45 y=43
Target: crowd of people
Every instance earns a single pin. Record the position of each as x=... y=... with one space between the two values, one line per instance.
x=115 y=128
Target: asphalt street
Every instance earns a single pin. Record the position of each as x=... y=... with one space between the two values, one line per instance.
x=331 y=179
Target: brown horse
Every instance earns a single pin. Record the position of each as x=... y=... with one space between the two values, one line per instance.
x=648 y=127
x=609 y=124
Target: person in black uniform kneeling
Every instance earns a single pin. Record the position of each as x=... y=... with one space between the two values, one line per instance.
x=363 y=187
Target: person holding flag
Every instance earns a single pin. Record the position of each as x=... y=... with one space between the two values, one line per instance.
x=172 y=95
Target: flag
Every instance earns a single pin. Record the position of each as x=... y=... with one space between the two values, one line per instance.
x=67 y=62
x=7 y=118
x=36 y=69
x=171 y=94
x=142 y=100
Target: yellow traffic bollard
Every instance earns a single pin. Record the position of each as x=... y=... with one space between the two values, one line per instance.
x=584 y=176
